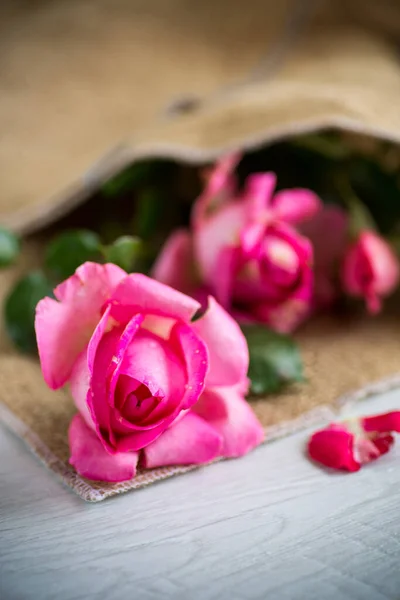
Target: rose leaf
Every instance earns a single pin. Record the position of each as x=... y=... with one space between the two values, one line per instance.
x=19 y=309
x=274 y=360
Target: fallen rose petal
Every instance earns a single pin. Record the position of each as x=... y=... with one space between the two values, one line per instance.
x=352 y=443
x=91 y=460
x=389 y=421
x=333 y=448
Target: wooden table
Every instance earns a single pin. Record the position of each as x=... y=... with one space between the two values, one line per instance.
x=270 y=525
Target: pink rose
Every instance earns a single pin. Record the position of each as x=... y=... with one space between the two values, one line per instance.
x=370 y=270
x=355 y=442
x=147 y=379
x=245 y=250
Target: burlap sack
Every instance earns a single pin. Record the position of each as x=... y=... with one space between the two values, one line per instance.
x=87 y=86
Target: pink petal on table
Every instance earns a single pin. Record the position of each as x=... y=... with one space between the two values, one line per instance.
x=141 y=294
x=384 y=423
x=191 y=440
x=234 y=419
x=64 y=328
x=91 y=460
x=333 y=447
x=226 y=345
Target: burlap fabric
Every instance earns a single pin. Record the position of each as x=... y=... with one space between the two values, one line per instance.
x=88 y=86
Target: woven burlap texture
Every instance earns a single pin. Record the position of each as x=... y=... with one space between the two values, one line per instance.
x=86 y=84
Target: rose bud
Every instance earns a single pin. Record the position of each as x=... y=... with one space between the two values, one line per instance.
x=370 y=270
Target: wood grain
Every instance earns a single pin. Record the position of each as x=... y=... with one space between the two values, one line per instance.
x=296 y=531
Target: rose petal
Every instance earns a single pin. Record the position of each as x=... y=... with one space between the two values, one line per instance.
x=194 y=355
x=153 y=362
x=227 y=411
x=79 y=383
x=189 y=441
x=220 y=188
x=92 y=461
x=224 y=272
x=100 y=351
x=105 y=355
x=382 y=423
x=333 y=447
x=64 y=328
x=138 y=293
x=226 y=344
x=174 y=264
x=220 y=230
x=121 y=350
x=258 y=194
x=295 y=205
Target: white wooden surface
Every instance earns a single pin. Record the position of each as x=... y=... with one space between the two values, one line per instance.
x=270 y=525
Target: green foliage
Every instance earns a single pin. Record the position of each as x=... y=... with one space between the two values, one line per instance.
x=9 y=247
x=19 y=309
x=69 y=250
x=124 y=252
x=149 y=211
x=274 y=360
x=129 y=179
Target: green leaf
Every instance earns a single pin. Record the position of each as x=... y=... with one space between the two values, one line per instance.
x=69 y=250
x=149 y=212
x=274 y=359
x=124 y=252
x=19 y=309
x=9 y=247
x=129 y=179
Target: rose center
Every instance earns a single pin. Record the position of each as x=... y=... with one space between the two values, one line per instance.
x=280 y=254
x=136 y=401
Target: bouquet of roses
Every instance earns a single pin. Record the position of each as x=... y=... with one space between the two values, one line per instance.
x=162 y=331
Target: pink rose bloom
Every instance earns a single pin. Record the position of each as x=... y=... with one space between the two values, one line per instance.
x=355 y=442
x=149 y=382
x=370 y=270
x=245 y=250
